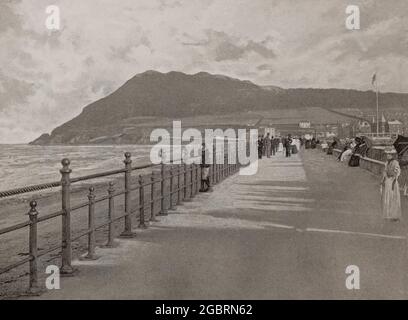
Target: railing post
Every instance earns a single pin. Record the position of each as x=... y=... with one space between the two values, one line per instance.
x=216 y=170
x=163 y=211
x=142 y=224
x=178 y=184
x=219 y=171
x=214 y=166
x=235 y=164
x=197 y=179
x=91 y=226
x=188 y=196
x=221 y=167
x=185 y=181
x=127 y=233
x=226 y=165
x=111 y=203
x=192 y=167
x=171 y=188
x=152 y=213
x=66 y=267
x=32 y=214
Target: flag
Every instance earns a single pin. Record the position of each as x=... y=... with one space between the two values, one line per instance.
x=374 y=79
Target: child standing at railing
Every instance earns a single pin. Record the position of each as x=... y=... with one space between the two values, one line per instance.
x=205 y=170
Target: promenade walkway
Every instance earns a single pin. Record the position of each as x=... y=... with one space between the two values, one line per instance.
x=289 y=232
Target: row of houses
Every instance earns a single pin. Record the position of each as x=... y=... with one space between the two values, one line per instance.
x=350 y=128
x=356 y=127
x=384 y=126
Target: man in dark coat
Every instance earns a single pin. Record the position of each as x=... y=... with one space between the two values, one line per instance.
x=274 y=145
x=287 y=144
x=260 y=147
x=313 y=143
x=267 y=145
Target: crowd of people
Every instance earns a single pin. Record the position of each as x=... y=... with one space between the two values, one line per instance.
x=352 y=150
x=351 y=153
x=270 y=146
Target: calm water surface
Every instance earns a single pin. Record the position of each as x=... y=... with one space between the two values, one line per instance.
x=22 y=165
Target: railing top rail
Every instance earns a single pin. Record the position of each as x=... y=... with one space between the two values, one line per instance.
x=37 y=187
x=98 y=175
x=373 y=160
x=49 y=185
x=365 y=158
x=143 y=166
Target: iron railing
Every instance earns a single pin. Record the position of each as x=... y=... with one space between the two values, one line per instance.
x=174 y=182
x=373 y=165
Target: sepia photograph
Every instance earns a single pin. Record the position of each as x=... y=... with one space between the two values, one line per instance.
x=197 y=150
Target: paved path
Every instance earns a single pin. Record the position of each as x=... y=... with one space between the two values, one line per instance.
x=289 y=232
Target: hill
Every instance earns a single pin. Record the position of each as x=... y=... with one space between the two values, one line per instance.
x=152 y=99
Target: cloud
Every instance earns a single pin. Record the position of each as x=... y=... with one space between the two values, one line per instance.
x=14 y=91
x=8 y=18
x=226 y=47
x=48 y=77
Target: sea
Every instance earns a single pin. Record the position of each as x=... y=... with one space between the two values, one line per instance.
x=23 y=165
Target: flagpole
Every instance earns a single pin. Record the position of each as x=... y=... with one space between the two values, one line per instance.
x=378 y=127
x=375 y=82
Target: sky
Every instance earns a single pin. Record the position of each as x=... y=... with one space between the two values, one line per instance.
x=47 y=77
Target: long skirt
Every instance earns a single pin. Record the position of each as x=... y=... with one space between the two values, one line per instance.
x=268 y=150
x=391 y=200
x=354 y=161
x=280 y=147
x=330 y=150
x=205 y=173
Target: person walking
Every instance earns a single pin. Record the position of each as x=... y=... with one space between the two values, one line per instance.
x=280 y=144
x=260 y=146
x=390 y=193
x=287 y=145
x=274 y=145
x=313 y=143
x=267 y=142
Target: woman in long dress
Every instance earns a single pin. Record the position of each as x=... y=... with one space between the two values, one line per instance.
x=390 y=193
x=280 y=146
x=346 y=155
